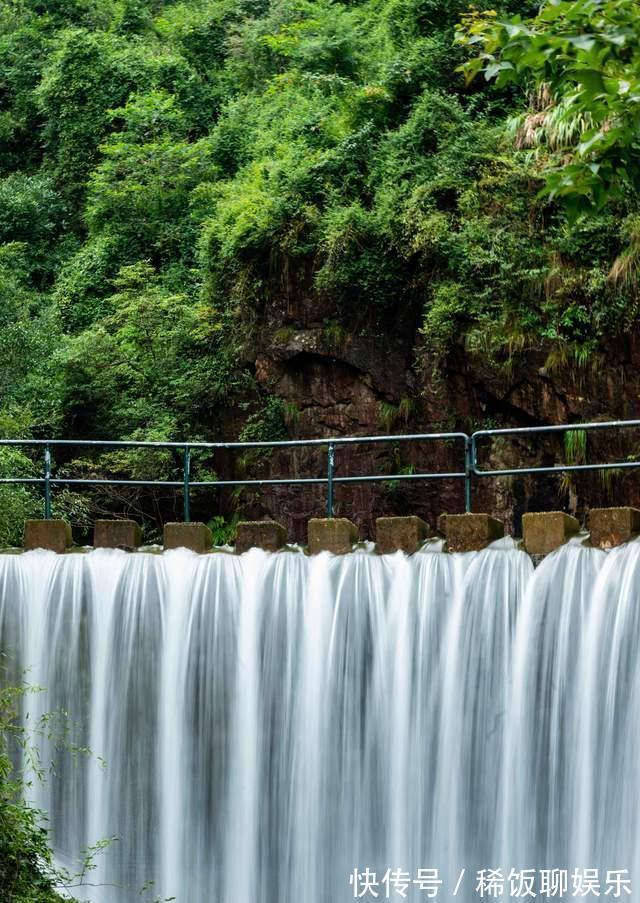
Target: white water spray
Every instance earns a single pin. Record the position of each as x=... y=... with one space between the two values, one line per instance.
x=269 y=723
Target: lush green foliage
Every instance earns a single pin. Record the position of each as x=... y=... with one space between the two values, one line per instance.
x=177 y=179
x=27 y=874
x=583 y=59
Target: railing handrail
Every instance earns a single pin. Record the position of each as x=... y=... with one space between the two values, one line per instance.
x=469 y=469
x=555 y=428
x=48 y=480
x=276 y=443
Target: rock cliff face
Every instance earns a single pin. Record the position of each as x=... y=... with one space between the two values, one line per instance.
x=338 y=383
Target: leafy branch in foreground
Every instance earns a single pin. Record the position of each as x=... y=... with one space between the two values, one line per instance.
x=580 y=61
x=28 y=872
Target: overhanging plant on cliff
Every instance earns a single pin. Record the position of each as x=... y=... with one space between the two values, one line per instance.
x=580 y=61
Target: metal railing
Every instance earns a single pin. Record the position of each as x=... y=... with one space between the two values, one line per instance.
x=468 y=471
x=557 y=468
x=49 y=479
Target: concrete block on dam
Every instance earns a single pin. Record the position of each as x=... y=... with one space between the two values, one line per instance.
x=195 y=536
x=611 y=527
x=471 y=532
x=546 y=531
x=400 y=533
x=331 y=534
x=116 y=534
x=261 y=534
x=54 y=535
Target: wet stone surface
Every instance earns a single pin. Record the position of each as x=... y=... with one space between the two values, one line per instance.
x=545 y=531
x=194 y=536
x=471 y=532
x=116 y=534
x=54 y=535
x=268 y=535
x=610 y=527
x=400 y=533
x=336 y=534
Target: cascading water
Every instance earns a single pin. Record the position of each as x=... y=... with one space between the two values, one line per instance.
x=262 y=725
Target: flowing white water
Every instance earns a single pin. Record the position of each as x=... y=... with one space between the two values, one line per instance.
x=262 y=725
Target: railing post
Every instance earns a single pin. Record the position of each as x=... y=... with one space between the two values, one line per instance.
x=468 y=470
x=330 y=470
x=186 y=473
x=47 y=483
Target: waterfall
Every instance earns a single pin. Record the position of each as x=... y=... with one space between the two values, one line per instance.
x=260 y=726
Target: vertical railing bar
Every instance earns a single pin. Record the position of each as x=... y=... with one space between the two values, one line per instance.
x=330 y=472
x=470 y=469
x=47 y=482
x=186 y=473
x=469 y=449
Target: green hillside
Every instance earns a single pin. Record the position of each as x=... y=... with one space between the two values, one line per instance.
x=173 y=175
